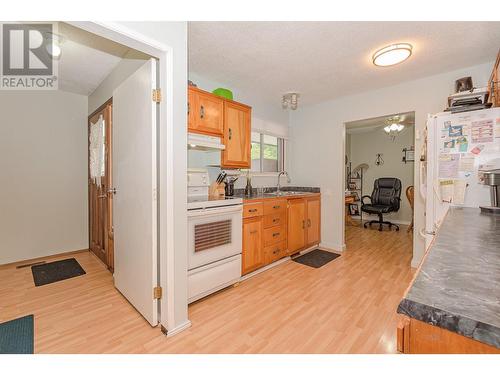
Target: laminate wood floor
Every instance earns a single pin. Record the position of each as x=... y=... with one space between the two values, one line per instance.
x=347 y=306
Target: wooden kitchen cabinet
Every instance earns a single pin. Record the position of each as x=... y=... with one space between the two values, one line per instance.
x=313 y=221
x=237 y=132
x=253 y=252
x=416 y=337
x=304 y=223
x=274 y=228
x=296 y=225
x=205 y=113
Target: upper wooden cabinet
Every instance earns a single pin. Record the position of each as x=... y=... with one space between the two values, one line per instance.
x=237 y=132
x=212 y=115
x=205 y=113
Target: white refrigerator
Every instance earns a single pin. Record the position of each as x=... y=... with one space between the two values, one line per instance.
x=457 y=146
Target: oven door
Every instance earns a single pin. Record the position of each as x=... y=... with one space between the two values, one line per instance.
x=214 y=234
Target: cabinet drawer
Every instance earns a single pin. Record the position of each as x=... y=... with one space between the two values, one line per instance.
x=274 y=219
x=274 y=235
x=275 y=252
x=252 y=210
x=274 y=206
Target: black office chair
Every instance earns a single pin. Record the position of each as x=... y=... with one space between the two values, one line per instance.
x=385 y=198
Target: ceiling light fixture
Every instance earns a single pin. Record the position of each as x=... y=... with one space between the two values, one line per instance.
x=392 y=55
x=53 y=45
x=393 y=127
x=290 y=100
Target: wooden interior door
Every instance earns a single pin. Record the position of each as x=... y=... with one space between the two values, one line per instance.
x=296 y=225
x=100 y=200
x=237 y=131
x=313 y=223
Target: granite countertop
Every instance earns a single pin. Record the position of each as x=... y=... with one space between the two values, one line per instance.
x=458 y=285
x=240 y=193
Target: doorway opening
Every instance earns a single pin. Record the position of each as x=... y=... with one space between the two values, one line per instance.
x=73 y=147
x=379 y=179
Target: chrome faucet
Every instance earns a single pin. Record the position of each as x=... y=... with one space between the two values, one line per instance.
x=278 y=187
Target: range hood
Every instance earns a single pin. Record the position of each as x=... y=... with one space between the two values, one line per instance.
x=204 y=142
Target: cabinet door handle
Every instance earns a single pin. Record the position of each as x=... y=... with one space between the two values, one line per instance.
x=276 y=207
x=253 y=231
x=189 y=108
x=202 y=112
x=308 y=222
x=303 y=224
x=276 y=234
x=253 y=210
x=276 y=220
x=230 y=133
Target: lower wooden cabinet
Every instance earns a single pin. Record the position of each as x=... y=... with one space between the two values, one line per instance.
x=296 y=225
x=304 y=223
x=253 y=251
x=276 y=228
x=416 y=337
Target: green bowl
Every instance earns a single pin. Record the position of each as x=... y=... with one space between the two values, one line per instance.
x=225 y=93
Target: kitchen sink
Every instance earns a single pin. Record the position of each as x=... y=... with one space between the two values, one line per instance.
x=285 y=193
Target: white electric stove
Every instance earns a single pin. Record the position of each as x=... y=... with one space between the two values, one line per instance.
x=214 y=238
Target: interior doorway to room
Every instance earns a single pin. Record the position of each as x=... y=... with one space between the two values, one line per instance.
x=100 y=180
x=379 y=176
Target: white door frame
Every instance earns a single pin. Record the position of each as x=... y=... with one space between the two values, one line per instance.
x=342 y=197
x=171 y=322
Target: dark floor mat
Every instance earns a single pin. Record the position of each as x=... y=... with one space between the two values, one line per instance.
x=316 y=258
x=56 y=271
x=17 y=336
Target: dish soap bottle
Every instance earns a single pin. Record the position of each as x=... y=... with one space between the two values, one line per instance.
x=248 y=188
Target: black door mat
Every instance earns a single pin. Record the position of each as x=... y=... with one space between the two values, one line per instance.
x=17 y=336
x=316 y=258
x=56 y=271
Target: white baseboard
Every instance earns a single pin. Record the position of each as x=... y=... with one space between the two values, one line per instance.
x=336 y=248
x=178 y=329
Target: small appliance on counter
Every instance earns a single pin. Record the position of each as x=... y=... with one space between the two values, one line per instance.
x=492 y=179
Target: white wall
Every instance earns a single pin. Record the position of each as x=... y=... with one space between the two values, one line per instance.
x=105 y=90
x=43 y=164
x=264 y=115
x=318 y=136
x=363 y=149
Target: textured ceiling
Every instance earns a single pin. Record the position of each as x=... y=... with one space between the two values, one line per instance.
x=87 y=59
x=326 y=60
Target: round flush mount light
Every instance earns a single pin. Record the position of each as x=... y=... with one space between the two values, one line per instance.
x=392 y=55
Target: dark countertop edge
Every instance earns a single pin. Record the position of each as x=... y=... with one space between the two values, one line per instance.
x=461 y=325
x=239 y=193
